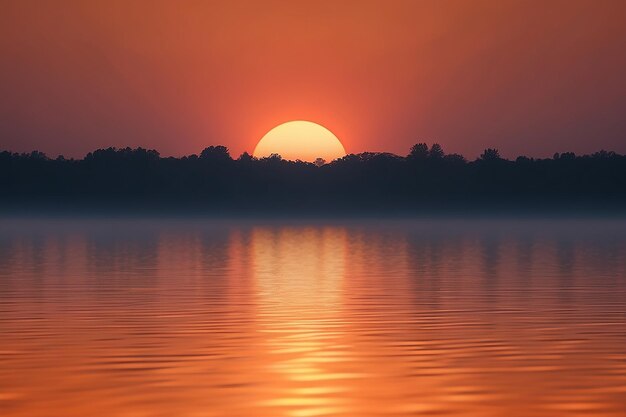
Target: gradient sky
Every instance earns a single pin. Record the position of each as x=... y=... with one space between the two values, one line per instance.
x=527 y=77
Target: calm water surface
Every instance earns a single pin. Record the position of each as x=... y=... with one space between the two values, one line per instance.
x=139 y=318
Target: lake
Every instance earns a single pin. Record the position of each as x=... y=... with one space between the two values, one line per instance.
x=139 y=317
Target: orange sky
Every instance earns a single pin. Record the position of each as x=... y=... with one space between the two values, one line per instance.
x=527 y=77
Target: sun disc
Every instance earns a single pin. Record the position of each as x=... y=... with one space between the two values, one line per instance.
x=300 y=139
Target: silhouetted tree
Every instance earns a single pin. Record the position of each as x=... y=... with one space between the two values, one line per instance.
x=418 y=151
x=245 y=157
x=215 y=153
x=490 y=154
x=319 y=162
x=436 y=151
x=36 y=155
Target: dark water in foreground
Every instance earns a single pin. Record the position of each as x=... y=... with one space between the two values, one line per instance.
x=371 y=318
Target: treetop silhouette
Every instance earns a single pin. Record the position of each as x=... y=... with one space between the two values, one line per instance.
x=369 y=179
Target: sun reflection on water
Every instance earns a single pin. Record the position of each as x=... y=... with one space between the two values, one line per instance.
x=299 y=277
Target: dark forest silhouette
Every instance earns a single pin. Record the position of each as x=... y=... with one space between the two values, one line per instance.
x=427 y=176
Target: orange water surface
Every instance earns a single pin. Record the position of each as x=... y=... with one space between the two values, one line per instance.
x=134 y=317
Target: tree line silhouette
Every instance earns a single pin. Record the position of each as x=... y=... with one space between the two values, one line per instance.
x=427 y=176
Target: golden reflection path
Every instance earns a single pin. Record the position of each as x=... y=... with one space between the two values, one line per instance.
x=299 y=275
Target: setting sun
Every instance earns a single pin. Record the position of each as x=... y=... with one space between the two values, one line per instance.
x=302 y=140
